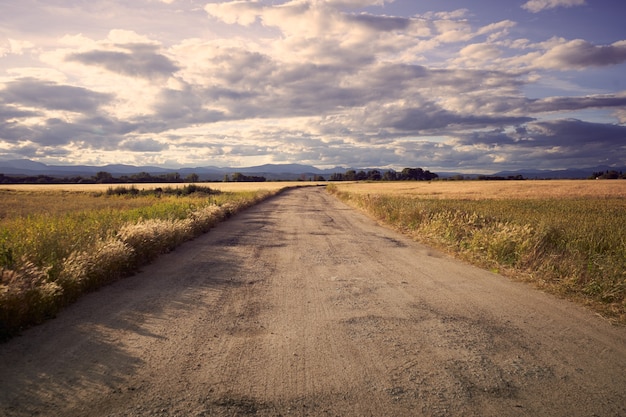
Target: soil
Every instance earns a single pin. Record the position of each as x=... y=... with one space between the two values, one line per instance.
x=302 y=306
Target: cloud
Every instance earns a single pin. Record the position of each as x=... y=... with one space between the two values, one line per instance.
x=552 y=104
x=10 y=112
x=580 y=54
x=48 y=114
x=536 y=6
x=35 y=93
x=380 y=23
x=242 y=12
x=143 y=145
x=14 y=46
x=324 y=82
x=430 y=118
x=141 y=61
x=564 y=143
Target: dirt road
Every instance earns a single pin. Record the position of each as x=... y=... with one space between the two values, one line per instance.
x=301 y=306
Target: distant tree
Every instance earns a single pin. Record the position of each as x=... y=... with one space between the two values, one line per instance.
x=239 y=177
x=192 y=177
x=608 y=175
x=350 y=175
x=390 y=176
x=171 y=177
x=374 y=175
x=103 y=177
x=141 y=177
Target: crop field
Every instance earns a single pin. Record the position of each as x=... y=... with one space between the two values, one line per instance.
x=221 y=186
x=566 y=237
x=57 y=243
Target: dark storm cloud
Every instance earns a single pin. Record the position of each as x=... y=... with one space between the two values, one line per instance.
x=48 y=95
x=142 y=61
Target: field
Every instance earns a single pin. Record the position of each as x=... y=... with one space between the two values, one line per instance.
x=222 y=186
x=566 y=237
x=58 y=242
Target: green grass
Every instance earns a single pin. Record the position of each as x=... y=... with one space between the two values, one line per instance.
x=52 y=252
x=574 y=247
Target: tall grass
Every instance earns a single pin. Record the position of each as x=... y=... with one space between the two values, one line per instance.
x=575 y=247
x=50 y=258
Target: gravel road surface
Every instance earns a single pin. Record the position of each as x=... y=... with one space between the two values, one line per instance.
x=301 y=306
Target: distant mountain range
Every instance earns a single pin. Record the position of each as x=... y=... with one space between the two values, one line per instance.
x=27 y=167
x=540 y=174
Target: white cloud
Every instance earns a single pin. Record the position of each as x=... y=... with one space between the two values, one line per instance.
x=242 y=12
x=479 y=55
x=535 y=6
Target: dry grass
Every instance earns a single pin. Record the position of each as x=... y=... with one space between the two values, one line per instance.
x=479 y=190
x=55 y=246
x=567 y=237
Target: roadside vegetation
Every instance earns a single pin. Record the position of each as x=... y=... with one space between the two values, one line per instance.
x=573 y=246
x=57 y=245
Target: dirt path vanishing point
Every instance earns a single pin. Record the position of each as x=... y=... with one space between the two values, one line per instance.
x=301 y=306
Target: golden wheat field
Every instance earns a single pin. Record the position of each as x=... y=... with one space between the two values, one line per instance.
x=475 y=190
x=222 y=186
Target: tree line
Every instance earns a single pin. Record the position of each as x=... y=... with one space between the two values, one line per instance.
x=608 y=175
x=407 y=174
x=101 y=177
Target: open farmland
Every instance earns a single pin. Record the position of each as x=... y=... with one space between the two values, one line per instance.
x=480 y=190
x=222 y=186
x=565 y=236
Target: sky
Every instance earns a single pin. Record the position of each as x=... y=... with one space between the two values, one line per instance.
x=446 y=85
